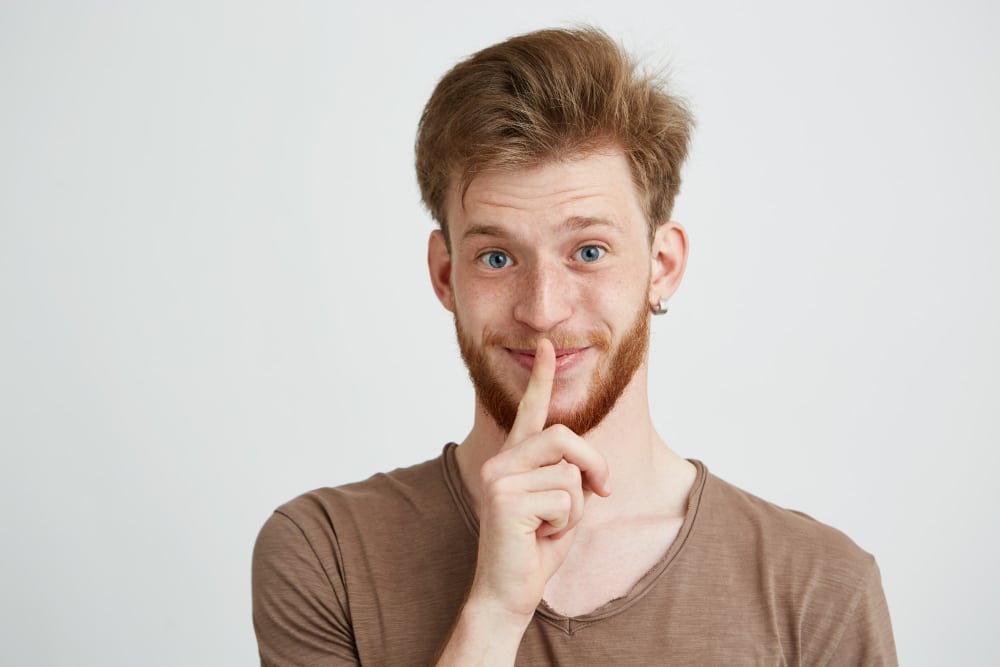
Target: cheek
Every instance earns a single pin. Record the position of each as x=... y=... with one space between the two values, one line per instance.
x=617 y=296
x=478 y=302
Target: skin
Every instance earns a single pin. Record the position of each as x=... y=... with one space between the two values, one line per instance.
x=550 y=526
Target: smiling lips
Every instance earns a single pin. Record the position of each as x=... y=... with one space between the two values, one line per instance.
x=565 y=357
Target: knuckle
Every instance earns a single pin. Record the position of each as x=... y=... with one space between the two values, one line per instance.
x=572 y=476
x=564 y=502
x=565 y=505
x=561 y=431
x=501 y=486
x=485 y=473
x=499 y=501
x=504 y=502
x=490 y=470
x=573 y=479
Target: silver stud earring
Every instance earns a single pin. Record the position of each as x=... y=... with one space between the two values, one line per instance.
x=660 y=308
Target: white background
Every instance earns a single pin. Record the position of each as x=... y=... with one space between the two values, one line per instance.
x=213 y=294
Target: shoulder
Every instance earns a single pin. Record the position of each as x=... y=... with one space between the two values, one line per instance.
x=826 y=589
x=341 y=574
x=382 y=507
x=789 y=536
x=326 y=560
x=353 y=531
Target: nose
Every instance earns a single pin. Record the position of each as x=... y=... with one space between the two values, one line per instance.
x=543 y=298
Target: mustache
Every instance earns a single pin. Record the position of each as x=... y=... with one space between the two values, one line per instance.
x=560 y=341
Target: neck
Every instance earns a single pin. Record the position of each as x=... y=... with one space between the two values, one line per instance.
x=642 y=467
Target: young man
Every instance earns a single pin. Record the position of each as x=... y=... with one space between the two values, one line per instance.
x=562 y=530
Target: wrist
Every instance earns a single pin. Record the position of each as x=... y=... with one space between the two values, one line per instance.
x=485 y=634
x=484 y=609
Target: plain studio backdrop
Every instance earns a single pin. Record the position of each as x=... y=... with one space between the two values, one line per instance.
x=213 y=293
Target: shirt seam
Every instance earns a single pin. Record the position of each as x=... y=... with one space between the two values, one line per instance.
x=340 y=559
x=863 y=584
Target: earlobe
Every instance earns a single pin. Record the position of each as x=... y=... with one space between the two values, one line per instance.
x=439 y=265
x=668 y=258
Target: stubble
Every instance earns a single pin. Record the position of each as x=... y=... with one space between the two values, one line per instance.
x=607 y=384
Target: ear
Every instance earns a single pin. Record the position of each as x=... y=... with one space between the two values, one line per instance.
x=668 y=257
x=439 y=264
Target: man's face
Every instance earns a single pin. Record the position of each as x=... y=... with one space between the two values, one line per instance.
x=560 y=251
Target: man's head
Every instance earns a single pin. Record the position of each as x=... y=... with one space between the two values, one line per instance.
x=547 y=96
x=551 y=166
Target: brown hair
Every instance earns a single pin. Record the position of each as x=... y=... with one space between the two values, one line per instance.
x=551 y=95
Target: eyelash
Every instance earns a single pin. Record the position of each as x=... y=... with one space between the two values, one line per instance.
x=485 y=257
x=603 y=251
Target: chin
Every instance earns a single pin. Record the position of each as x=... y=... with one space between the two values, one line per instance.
x=562 y=407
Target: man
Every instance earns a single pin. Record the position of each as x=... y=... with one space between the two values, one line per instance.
x=562 y=530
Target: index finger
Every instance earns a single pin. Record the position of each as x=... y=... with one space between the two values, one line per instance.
x=533 y=409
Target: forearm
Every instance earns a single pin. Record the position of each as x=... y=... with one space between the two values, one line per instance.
x=483 y=636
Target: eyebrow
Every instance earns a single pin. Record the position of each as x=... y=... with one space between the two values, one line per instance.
x=579 y=223
x=484 y=230
x=574 y=223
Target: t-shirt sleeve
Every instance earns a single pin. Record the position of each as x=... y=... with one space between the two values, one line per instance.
x=867 y=638
x=300 y=611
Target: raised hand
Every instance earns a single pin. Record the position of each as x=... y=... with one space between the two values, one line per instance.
x=533 y=495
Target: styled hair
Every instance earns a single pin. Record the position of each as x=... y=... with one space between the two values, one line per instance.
x=546 y=96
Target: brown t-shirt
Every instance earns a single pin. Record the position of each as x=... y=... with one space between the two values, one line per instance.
x=376 y=572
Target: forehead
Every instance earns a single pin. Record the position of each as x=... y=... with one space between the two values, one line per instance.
x=595 y=185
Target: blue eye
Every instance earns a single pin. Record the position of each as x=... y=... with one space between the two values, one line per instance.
x=590 y=253
x=495 y=259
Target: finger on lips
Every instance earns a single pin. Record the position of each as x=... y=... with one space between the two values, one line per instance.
x=554 y=466
x=533 y=409
x=557 y=443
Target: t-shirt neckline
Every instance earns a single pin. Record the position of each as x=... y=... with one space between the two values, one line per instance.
x=460 y=495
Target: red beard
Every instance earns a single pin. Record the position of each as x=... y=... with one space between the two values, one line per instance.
x=606 y=387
